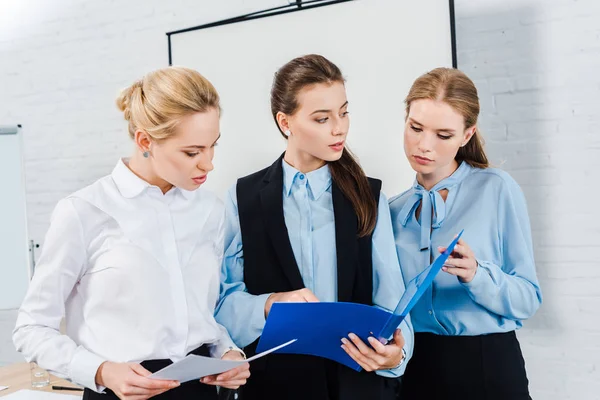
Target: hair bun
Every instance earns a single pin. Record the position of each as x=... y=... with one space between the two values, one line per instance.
x=124 y=99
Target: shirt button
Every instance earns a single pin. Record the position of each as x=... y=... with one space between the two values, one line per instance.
x=301 y=177
x=430 y=312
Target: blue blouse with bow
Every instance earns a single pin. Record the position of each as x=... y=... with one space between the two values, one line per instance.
x=489 y=205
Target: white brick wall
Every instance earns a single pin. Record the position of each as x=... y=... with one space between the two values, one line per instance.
x=535 y=62
x=536 y=65
x=61 y=65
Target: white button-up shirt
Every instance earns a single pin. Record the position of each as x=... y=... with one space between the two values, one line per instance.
x=134 y=271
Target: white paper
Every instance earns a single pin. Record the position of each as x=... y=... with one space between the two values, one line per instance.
x=196 y=367
x=39 y=395
x=3 y=388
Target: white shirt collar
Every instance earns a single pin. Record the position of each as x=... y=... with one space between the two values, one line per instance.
x=130 y=185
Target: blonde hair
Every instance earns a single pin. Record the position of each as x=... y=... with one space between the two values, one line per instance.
x=157 y=102
x=454 y=88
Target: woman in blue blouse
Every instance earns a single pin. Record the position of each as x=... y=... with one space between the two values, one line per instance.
x=465 y=343
x=311 y=227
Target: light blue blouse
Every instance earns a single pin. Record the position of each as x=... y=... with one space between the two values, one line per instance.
x=489 y=205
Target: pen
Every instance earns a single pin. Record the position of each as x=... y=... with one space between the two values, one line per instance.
x=66 y=388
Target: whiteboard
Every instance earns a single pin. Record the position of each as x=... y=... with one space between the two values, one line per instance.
x=14 y=250
x=381 y=46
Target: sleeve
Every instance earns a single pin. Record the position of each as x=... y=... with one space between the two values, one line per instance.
x=510 y=290
x=239 y=311
x=37 y=334
x=388 y=283
x=224 y=343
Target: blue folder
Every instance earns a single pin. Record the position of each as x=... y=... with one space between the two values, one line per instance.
x=319 y=327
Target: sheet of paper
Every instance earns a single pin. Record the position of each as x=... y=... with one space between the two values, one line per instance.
x=39 y=395
x=3 y=388
x=196 y=367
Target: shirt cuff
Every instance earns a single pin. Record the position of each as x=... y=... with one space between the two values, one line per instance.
x=478 y=279
x=224 y=345
x=236 y=350
x=483 y=285
x=395 y=372
x=83 y=369
x=257 y=318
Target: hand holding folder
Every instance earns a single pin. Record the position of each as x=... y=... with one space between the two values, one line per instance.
x=319 y=327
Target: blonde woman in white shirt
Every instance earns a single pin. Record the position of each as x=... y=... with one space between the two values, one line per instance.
x=132 y=261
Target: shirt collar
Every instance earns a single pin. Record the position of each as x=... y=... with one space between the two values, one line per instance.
x=319 y=180
x=418 y=192
x=463 y=170
x=433 y=210
x=130 y=185
x=187 y=194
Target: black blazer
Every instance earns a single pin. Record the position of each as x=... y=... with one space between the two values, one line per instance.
x=270 y=266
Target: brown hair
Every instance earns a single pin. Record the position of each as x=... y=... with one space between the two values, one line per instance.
x=454 y=88
x=346 y=173
x=157 y=102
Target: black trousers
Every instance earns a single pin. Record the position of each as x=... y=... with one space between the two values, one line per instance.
x=486 y=367
x=187 y=391
x=302 y=377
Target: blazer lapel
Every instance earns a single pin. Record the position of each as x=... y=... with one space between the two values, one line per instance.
x=346 y=225
x=271 y=197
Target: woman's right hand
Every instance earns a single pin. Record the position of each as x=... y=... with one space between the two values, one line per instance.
x=130 y=381
x=297 y=296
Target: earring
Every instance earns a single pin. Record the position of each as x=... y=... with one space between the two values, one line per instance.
x=287 y=133
x=146 y=154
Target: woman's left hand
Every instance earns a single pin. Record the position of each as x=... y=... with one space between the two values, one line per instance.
x=231 y=379
x=377 y=357
x=461 y=263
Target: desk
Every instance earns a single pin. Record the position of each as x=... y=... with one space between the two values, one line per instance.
x=17 y=376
